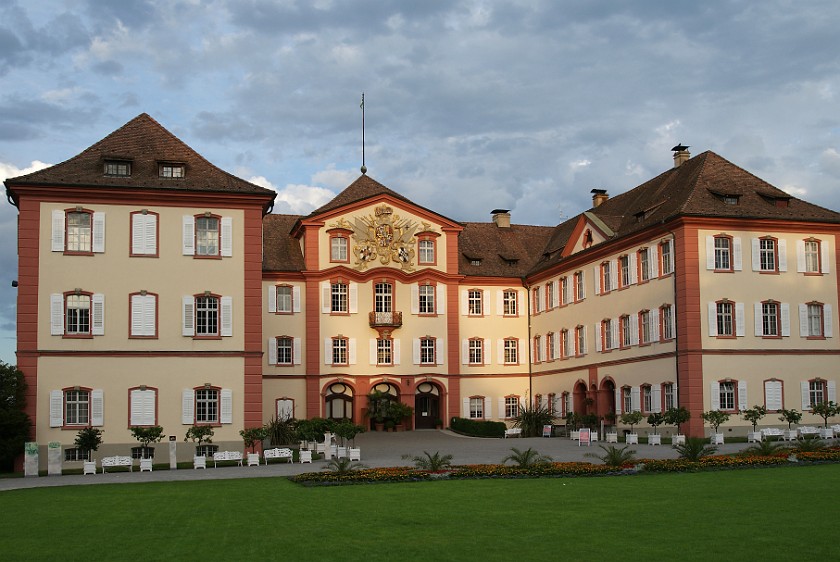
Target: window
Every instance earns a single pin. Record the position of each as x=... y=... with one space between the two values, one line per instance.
x=427 y=351
x=384 y=347
x=538 y=349
x=474 y=302
x=626 y=331
x=580 y=341
x=606 y=334
x=538 y=302
x=171 y=171
x=143 y=311
x=383 y=294
x=143 y=406
x=285 y=345
x=509 y=303
x=75 y=454
x=550 y=346
x=815 y=320
x=144 y=233
x=476 y=352
x=669 y=390
x=816 y=392
x=511 y=406
x=767 y=257
x=339 y=351
x=565 y=343
x=550 y=295
x=78 y=314
x=338 y=249
x=770 y=319
x=426 y=299
x=624 y=266
x=811 y=258
x=79 y=232
x=723 y=253
x=551 y=406
x=773 y=395
x=511 y=351
x=666 y=312
x=339 y=298
x=206 y=316
x=626 y=399
x=284 y=299
x=207 y=236
x=607 y=277
x=207 y=405
x=647 y=398
x=118 y=168
x=580 y=289
x=476 y=407
x=727 y=395
x=426 y=251
x=76 y=407
x=646 y=325
x=285 y=408
x=666 y=253
x=565 y=294
x=285 y=350
x=644 y=265
x=725 y=316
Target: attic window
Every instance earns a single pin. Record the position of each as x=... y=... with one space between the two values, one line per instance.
x=118 y=168
x=730 y=199
x=509 y=260
x=475 y=262
x=173 y=171
x=776 y=200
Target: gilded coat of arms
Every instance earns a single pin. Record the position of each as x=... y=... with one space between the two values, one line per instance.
x=383 y=236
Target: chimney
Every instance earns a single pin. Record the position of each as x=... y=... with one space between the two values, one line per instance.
x=501 y=217
x=599 y=196
x=681 y=155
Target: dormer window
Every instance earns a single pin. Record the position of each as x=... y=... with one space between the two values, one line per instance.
x=475 y=262
x=118 y=168
x=730 y=199
x=172 y=171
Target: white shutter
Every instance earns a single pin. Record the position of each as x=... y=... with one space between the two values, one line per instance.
x=440 y=351
x=440 y=299
x=544 y=350
x=226 y=409
x=138 y=236
x=773 y=395
x=740 y=329
x=138 y=309
x=737 y=254
x=187 y=406
x=598 y=346
x=466 y=403
x=465 y=309
x=828 y=321
x=396 y=351
x=520 y=357
x=485 y=355
x=272 y=298
x=785 y=307
x=634 y=329
x=782 y=255
x=296 y=298
x=150 y=236
x=758 y=319
x=800 y=256
x=806 y=395
x=97 y=408
x=465 y=352
x=583 y=284
x=743 y=403
x=97 y=324
x=135 y=404
x=832 y=391
x=714 y=395
x=825 y=257
x=583 y=333
x=756 y=255
x=673 y=256
x=354 y=297
x=98 y=232
x=187 y=316
x=227 y=316
x=296 y=351
x=656 y=398
x=372 y=351
x=614 y=333
x=712 y=319
x=227 y=236
x=556 y=346
x=351 y=353
x=710 y=252
x=57 y=240
x=803 y=320
x=188 y=237
x=632 y=260
x=272 y=351
x=614 y=274
x=596 y=273
x=488 y=408
x=326 y=297
x=328 y=351
x=500 y=351
x=654 y=320
x=56 y=407
x=555 y=293
x=500 y=302
x=56 y=314
x=142 y=407
x=653 y=260
x=485 y=303
x=635 y=399
x=502 y=409
x=415 y=299
x=415 y=351
x=617 y=401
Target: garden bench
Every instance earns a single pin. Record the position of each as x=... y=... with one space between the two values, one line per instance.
x=827 y=432
x=109 y=462
x=773 y=432
x=513 y=432
x=221 y=456
x=278 y=453
x=805 y=431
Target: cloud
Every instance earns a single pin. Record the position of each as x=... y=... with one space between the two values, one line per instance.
x=12 y=171
x=295 y=199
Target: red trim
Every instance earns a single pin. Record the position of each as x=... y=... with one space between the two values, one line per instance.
x=76 y=426
x=483 y=358
x=218 y=254
x=342 y=234
x=131 y=235
x=427 y=237
x=251 y=315
x=294 y=406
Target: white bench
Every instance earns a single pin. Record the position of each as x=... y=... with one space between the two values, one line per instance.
x=513 y=432
x=109 y=462
x=253 y=459
x=278 y=453
x=805 y=431
x=769 y=432
x=827 y=432
x=221 y=456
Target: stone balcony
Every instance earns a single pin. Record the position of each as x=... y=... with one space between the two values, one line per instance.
x=385 y=319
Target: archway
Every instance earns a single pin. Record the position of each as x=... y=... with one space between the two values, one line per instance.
x=579 y=397
x=427 y=406
x=338 y=401
x=380 y=395
x=606 y=401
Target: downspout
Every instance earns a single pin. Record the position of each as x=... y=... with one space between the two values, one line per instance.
x=529 y=343
x=676 y=332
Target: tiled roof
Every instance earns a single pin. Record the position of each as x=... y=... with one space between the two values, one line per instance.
x=281 y=252
x=145 y=144
x=503 y=252
x=695 y=188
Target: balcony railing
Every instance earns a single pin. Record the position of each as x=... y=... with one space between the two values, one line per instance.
x=385 y=319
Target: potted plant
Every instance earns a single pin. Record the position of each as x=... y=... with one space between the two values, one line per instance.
x=146 y=436
x=826 y=410
x=305 y=432
x=252 y=436
x=280 y=431
x=572 y=421
x=438 y=423
x=346 y=432
x=378 y=403
x=87 y=441
x=677 y=417
x=202 y=436
x=791 y=417
x=655 y=420
x=632 y=419
x=753 y=415
x=399 y=413
x=715 y=418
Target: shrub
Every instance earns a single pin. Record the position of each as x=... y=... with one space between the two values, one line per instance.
x=631 y=419
x=532 y=419
x=715 y=418
x=615 y=457
x=478 y=428
x=88 y=440
x=146 y=436
x=14 y=422
x=526 y=459
x=754 y=415
x=199 y=434
x=790 y=416
x=677 y=416
x=765 y=449
x=280 y=432
x=694 y=449
x=431 y=463
x=343 y=466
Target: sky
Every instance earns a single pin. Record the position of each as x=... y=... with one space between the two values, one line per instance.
x=470 y=106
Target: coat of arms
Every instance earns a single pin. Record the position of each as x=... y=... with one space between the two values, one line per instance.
x=383 y=236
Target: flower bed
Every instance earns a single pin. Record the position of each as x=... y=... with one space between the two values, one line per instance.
x=711 y=463
x=830 y=455
x=364 y=476
x=548 y=469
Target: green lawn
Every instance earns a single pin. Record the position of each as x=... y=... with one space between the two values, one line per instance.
x=768 y=514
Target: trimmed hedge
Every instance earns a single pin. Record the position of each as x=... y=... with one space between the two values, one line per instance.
x=478 y=428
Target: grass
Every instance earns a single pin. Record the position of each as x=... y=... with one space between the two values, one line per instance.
x=766 y=513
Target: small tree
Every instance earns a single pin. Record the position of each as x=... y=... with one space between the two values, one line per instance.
x=655 y=420
x=631 y=419
x=677 y=416
x=199 y=434
x=715 y=418
x=253 y=435
x=826 y=410
x=790 y=416
x=754 y=414
x=347 y=431
x=14 y=422
x=146 y=436
x=88 y=440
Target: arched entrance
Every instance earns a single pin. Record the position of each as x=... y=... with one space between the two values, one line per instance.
x=426 y=406
x=338 y=401
x=580 y=398
x=378 y=401
x=606 y=401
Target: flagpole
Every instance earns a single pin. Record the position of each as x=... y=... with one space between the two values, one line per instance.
x=364 y=168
